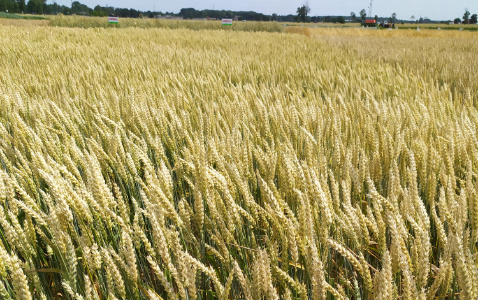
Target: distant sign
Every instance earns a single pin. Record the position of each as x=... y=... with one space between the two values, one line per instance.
x=227 y=22
x=112 y=19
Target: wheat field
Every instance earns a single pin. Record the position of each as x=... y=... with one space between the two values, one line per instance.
x=102 y=22
x=177 y=164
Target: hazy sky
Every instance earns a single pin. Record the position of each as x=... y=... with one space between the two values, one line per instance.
x=433 y=9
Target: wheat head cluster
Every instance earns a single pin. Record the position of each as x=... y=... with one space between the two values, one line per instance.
x=178 y=164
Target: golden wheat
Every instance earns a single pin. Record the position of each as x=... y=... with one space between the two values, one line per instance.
x=159 y=163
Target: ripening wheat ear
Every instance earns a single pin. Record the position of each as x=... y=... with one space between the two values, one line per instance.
x=317 y=273
x=384 y=280
x=19 y=280
x=284 y=278
x=245 y=285
x=128 y=253
x=463 y=274
x=3 y=292
x=160 y=275
x=262 y=277
x=115 y=280
x=4 y=262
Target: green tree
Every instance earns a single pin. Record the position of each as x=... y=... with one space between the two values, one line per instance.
x=363 y=15
x=303 y=11
x=394 y=16
x=457 y=21
x=35 y=6
x=98 y=11
x=474 y=19
x=80 y=9
x=31 y=6
x=12 y=6
x=354 y=16
x=3 y=5
x=188 y=13
x=21 y=5
x=466 y=16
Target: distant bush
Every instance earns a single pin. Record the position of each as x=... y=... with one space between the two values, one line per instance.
x=5 y=15
x=331 y=19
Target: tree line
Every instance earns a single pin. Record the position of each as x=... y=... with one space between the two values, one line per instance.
x=41 y=7
x=191 y=13
x=302 y=13
x=32 y=7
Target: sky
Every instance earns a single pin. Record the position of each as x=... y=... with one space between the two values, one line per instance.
x=433 y=9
